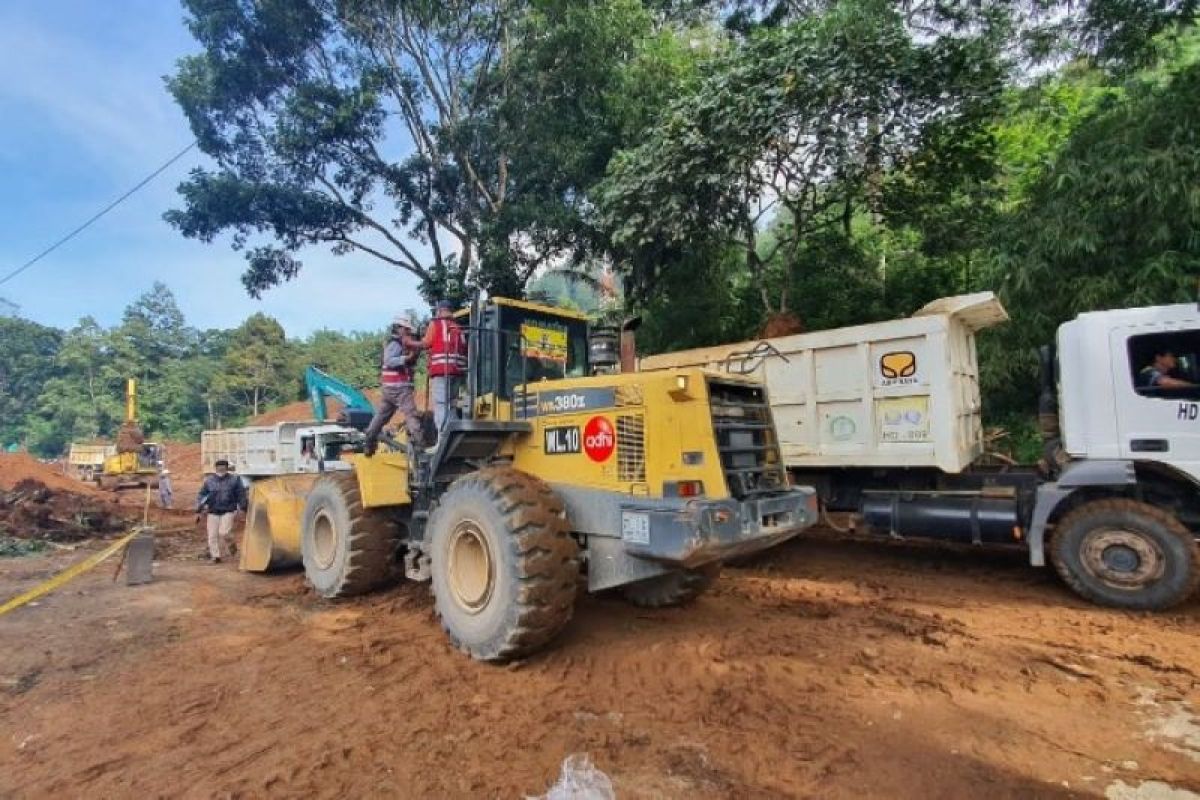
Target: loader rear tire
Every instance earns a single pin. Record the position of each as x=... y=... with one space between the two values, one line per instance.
x=1126 y=554
x=504 y=565
x=347 y=550
x=672 y=589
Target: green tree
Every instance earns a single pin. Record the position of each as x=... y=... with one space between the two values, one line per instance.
x=1110 y=221
x=259 y=365
x=354 y=124
x=351 y=357
x=27 y=362
x=802 y=123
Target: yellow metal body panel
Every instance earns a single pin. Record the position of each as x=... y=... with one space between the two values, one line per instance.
x=652 y=420
x=128 y=464
x=382 y=479
x=525 y=305
x=276 y=514
x=273 y=522
x=131 y=400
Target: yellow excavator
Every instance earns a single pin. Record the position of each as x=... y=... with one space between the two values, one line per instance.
x=556 y=471
x=136 y=462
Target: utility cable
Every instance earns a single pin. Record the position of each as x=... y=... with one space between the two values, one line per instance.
x=96 y=216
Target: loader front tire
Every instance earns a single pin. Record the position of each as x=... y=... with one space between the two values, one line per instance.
x=504 y=565
x=672 y=589
x=1126 y=554
x=347 y=550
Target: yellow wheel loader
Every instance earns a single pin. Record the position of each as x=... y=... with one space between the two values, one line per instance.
x=548 y=475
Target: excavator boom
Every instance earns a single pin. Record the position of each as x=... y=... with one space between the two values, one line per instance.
x=356 y=408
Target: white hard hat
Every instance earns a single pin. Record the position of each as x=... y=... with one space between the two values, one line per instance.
x=166 y=471
x=404 y=321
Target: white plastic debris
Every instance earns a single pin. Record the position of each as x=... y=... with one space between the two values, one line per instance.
x=580 y=780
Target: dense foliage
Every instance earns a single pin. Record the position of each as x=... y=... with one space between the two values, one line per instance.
x=65 y=386
x=716 y=167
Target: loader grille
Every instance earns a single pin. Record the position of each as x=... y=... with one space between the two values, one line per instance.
x=631 y=448
x=746 y=440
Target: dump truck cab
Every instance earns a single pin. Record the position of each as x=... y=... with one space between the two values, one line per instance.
x=1122 y=413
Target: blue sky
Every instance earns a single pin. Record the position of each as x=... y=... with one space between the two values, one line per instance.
x=85 y=117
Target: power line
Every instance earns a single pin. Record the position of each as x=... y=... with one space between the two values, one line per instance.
x=96 y=216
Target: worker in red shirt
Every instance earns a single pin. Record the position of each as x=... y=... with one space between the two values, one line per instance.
x=447 y=348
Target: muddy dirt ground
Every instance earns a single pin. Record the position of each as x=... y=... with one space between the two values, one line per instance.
x=825 y=669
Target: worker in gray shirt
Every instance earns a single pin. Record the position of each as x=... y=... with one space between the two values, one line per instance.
x=400 y=354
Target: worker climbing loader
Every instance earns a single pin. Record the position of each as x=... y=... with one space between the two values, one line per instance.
x=636 y=482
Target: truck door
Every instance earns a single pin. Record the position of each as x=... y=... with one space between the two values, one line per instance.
x=1158 y=412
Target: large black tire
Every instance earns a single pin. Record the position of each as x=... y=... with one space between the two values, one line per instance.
x=347 y=550
x=673 y=588
x=1126 y=554
x=503 y=562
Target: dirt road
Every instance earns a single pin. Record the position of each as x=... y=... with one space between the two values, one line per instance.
x=825 y=669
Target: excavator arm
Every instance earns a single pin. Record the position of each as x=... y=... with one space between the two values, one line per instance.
x=356 y=408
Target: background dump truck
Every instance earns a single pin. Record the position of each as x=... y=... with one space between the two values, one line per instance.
x=85 y=461
x=885 y=420
x=285 y=448
x=550 y=476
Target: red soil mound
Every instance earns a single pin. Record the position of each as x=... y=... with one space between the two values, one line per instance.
x=17 y=467
x=302 y=410
x=783 y=323
x=31 y=510
x=183 y=459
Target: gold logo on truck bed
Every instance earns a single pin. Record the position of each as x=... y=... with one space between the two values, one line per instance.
x=898 y=364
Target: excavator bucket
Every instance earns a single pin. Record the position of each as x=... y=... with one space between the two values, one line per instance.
x=273 y=523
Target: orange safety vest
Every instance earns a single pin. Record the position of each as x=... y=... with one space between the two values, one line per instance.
x=448 y=350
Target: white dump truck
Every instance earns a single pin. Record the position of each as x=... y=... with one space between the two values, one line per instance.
x=885 y=421
x=285 y=448
x=86 y=461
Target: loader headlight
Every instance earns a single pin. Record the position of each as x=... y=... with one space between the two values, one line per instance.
x=680 y=392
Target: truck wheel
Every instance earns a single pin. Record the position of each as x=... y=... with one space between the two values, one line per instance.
x=504 y=565
x=1126 y=554
x=673 y=588
x=347 y=550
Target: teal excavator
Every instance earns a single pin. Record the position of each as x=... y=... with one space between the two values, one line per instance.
x=356 y=408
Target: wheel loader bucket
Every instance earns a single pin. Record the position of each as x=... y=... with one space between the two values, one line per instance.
x=272 y=537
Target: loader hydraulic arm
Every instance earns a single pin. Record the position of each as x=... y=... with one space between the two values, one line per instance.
x=356 y=408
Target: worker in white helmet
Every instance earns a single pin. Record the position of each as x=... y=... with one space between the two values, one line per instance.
x=166 y=494
x=400 y=354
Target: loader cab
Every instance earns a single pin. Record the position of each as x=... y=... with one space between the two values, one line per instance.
x=514 y=343
x=1112 y=405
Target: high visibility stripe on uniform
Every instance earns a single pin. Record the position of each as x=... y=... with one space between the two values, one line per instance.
x=446 y=356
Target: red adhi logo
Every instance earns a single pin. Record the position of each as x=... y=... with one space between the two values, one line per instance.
x=599 y=441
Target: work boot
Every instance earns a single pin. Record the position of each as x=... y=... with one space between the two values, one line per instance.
x=216 y=559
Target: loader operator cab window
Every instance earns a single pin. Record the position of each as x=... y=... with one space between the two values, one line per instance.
x=1166 y=365
x=540 y=347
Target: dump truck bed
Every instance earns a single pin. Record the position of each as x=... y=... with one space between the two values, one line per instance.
x=265 y=450
x=901 y=393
